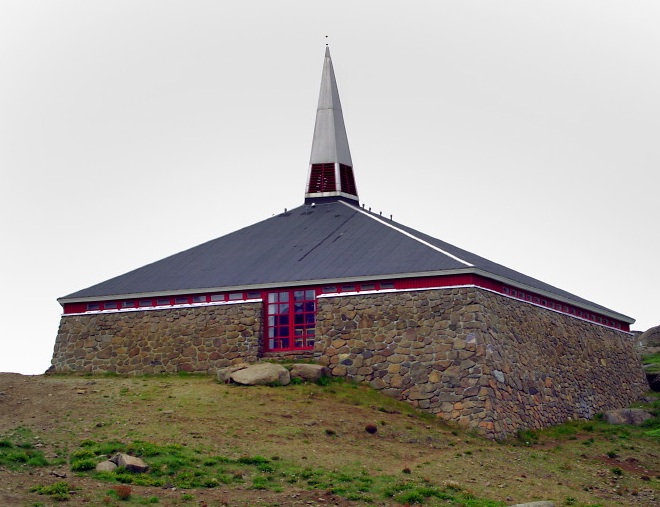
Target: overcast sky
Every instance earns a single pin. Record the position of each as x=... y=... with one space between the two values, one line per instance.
x=527 y=132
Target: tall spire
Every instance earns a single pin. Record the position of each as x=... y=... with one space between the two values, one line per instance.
x=330 y=164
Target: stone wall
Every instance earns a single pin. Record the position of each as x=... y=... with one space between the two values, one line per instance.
x=199 y=339
x=473 y=357
x=479 y=359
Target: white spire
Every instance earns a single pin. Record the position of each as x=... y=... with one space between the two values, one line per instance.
x=330 y=144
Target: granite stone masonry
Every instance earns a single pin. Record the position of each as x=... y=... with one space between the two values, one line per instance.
x=200 y=339
x=478 y=359
x=475 y=358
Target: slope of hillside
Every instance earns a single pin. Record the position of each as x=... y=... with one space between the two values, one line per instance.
x=210 y=444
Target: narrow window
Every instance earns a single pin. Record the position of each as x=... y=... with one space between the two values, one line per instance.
x=181 y=301
x=199 y=299
x=218 y=297
x=128 y=304
x=235 y=296
x=254 y=295
x=368 y=286
x=145 y=302
x=93 y=307
x=329 y=289
x=110 y=306
x=387 y=285
x=162 y=302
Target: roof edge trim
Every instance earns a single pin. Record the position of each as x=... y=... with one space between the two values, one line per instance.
x=412 y=236
x=391 y=276
x=558 y=297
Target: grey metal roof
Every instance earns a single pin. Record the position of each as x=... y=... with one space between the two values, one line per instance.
x=329 y=242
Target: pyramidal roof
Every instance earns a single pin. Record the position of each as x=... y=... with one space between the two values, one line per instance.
x=329 y=239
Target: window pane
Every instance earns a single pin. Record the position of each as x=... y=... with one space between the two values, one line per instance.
x=284 y=297
x=310 y=294
x=218 y=297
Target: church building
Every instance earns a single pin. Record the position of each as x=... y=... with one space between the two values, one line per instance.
x=476 y=343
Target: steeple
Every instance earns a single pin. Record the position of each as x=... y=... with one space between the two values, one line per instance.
x=330 y=165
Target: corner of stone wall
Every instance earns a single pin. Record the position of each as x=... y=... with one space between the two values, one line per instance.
x=477 y=359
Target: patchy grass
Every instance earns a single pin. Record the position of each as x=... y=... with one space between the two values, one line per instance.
x=17 y=450
x=651 y=363
x=214 y=444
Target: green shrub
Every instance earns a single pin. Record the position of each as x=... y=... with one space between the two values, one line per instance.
x=59 y=491
x=83 y=465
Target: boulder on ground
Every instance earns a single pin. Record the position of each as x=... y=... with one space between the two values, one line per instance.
x=654 y=381
x=262 y=374
x=130 y=463
x=224 y=374
x=650 y=337
x=634 y=416
x=311 y=372
x=106 y=466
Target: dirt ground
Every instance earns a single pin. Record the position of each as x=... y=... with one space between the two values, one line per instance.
x=311 y=425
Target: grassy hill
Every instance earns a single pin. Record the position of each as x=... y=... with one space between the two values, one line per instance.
x=340 y=444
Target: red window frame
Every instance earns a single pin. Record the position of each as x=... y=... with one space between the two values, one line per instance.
x=291 y=320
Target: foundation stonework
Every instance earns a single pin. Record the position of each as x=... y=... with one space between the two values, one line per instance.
x=200 y=339
x=472 y=357
x=483 y=361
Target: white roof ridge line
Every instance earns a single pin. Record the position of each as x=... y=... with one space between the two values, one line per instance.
x=412 y=236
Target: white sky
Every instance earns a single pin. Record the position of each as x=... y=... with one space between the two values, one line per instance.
x=526 y=132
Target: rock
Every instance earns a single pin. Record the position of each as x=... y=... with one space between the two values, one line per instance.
x=654 y=381
x=106 y=466
x=650 y=337
x=634 y=416
x=311 y=372
x=224 y=374
x=262 y=374
x=535 y=504
x=130 y=463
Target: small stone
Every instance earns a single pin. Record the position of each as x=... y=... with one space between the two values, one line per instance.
x=106 y=466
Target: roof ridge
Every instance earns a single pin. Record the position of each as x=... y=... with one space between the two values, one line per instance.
x=412 y=236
